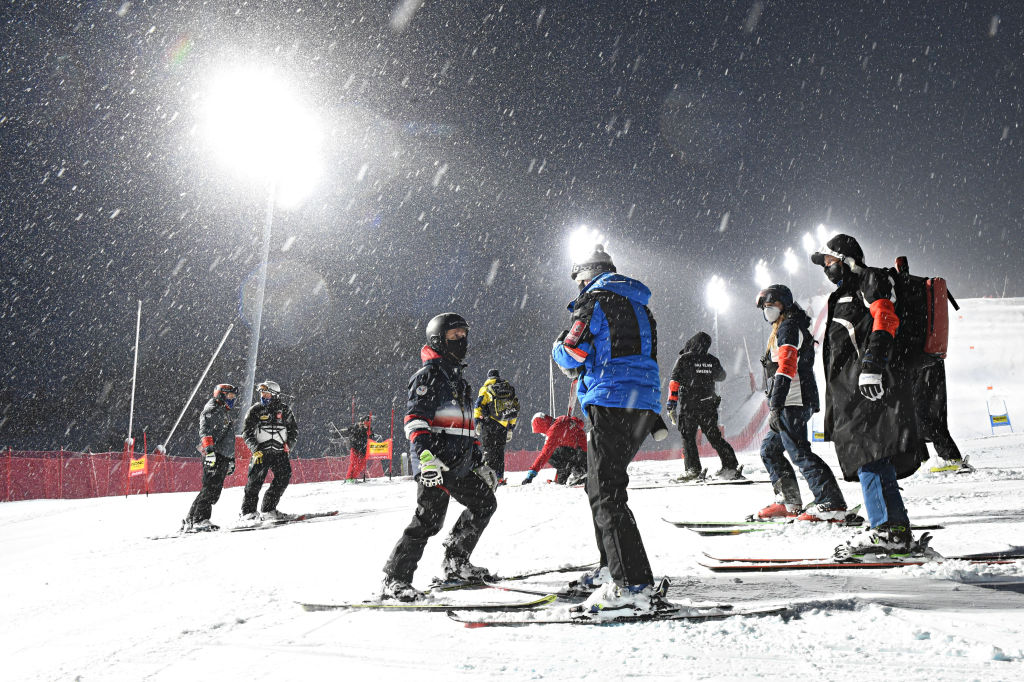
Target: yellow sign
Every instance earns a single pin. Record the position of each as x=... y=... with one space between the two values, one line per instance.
x=998 y=419
x=137 y=467
x=381 y=450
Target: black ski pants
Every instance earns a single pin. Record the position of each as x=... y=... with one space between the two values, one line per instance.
x=568 y=461
x=431 y=509
x=213 y=484
x=612 y=443
x=273 y=462
x=492 y=442
x=703 y=415
x=930 y=407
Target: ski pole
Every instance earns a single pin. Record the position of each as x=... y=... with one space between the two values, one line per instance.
x=162 y=449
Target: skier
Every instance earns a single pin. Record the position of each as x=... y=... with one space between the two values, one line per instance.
x=269 y=432
x=217 y=443
x=692 y=386
x=565 y=446
x=358 y=435
x=792 y=399
x=930 y=405
x=439 y=426
x=495 y=414
x=611 y=347
x=869 y=410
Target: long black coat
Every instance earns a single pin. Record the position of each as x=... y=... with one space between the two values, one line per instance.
x=866 y=431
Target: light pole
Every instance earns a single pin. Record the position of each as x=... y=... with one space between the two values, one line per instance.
x=791 y=264
x=260 y=130
x=718 y=300
x=762 y=276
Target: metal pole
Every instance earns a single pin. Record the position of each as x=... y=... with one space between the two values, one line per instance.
x=162 y=449
x=135 y=367
x=718 y=348
x=261 y=287
x=551 y=386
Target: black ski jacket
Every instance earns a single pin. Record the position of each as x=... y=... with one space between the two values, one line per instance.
x=439 y=415
x=866 y=431
x=694 y=375
x=270 y=428
x=215 y=429
x=357 y=436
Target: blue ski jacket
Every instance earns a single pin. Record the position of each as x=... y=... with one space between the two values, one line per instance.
x=612 y=344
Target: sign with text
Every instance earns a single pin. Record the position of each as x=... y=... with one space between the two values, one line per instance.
x=379 y=450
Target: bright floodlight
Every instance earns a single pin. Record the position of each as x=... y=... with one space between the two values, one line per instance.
x=716 y=295
x=810 y=246
x=257 y=126
x=762 y=277
x=583 y=241
x=789 y=261
x=824 y=234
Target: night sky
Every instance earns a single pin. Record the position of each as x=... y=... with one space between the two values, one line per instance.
x=464 y=142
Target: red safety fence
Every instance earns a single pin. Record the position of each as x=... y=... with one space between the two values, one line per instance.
x=62 y=474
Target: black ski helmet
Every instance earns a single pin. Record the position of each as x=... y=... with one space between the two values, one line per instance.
x=845 y=248
x=221 y=390
x=439 y=326
x=776 y=293
x=593 y=264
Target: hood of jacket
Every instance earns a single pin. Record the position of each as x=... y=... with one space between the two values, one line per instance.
x=615 y=283
x=799 y=316
x=698 y=343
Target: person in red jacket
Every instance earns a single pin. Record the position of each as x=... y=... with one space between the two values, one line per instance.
x=565 y=445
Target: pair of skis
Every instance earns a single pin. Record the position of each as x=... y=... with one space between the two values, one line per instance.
x=765 y=565
x=700 y=479
x=263 y=525
x=543 y=609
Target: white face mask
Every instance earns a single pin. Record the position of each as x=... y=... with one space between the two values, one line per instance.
x=771 y=313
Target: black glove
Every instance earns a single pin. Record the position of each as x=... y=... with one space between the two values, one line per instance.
x=231 y=466
x=775 y=419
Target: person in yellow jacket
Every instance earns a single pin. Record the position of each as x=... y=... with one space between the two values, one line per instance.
x=495 y=414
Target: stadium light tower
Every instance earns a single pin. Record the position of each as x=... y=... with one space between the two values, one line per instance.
x=810 y=246
x=791 y=264
x=762 y=276
x=583 y=240
x=259 y=129
x=718 y=300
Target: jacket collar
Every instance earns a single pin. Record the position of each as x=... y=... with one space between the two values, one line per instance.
x=429 y=355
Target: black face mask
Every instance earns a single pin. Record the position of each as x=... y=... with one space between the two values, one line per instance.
x=836 y=272
x=457 y=348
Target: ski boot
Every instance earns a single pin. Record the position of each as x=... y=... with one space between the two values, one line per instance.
x=729 y=473
x=956 y=466
x=458 y=569
x=887 y=542
x=691 y=475
x=612 y=600
x=588 y=582
x=399 y=590
x=823 y=512
x=779 y=510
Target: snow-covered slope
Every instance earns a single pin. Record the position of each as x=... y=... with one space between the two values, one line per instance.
x=87 y=596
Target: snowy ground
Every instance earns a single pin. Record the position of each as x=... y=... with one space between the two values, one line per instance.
x=87 y=596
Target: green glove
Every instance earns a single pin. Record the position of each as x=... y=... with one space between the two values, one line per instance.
x=430 y=469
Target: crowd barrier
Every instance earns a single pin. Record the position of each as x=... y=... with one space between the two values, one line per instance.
x=62 y=474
